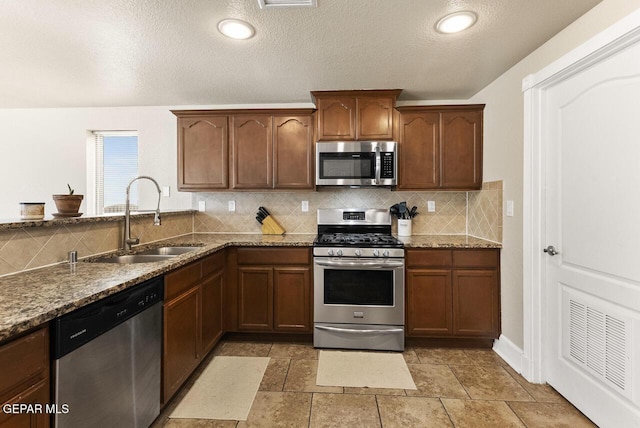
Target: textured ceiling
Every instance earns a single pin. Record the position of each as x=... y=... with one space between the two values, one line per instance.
x=74 y=53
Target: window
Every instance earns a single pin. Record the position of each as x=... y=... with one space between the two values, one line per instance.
x=116 y=155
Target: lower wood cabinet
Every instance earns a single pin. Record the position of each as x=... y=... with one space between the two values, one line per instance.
x=453 y=293
x=274 y=289
x=192 y=318
x=24 y=363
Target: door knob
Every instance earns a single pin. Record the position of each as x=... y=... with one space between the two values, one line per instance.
x=551 y=250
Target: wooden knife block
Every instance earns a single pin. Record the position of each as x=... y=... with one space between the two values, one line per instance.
x=271 y=227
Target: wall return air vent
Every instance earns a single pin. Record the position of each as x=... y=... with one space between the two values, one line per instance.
x=264 y=4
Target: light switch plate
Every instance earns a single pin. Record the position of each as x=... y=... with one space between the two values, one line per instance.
x=305 y=206
x=202 y=206
x=431 y=206
x=232 y=205
x=166 y=191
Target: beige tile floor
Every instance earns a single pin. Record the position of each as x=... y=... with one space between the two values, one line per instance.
x=456 y=388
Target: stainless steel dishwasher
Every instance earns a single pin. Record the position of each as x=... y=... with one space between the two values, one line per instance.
x=107 y=360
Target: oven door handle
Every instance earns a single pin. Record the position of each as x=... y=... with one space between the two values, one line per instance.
x=360 y=264
x=355 y=331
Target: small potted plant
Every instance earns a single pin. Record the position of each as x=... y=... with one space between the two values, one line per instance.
x=68 y=205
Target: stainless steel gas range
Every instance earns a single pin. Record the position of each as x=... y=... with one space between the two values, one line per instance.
x=358 y=281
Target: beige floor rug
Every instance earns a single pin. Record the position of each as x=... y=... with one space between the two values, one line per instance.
x=363 y=369
x=225 y=389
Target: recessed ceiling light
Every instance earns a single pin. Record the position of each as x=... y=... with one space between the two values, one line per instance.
x=236 y=29
x=456 y=22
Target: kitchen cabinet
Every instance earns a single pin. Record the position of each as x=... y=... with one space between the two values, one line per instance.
x=25 y=378
x=355 y=115
x=193 y=317
x=274 y=289
x=202 y=152
x=252 y=151
x=453 y=293
x=222 y=150
x=440 y=147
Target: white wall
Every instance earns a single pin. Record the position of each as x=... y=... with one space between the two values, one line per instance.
x=44 y=149
x=503 y=144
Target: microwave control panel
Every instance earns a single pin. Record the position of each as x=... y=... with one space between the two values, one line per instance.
x=387 y=160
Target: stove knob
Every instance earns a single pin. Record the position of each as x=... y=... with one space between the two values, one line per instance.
x=385 y=253
x=330 y=253
x=358 y=253
x=376 y=253
x=339 y=252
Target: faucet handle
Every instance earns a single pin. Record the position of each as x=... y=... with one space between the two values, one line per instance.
x=156 y=219
x=133 y=241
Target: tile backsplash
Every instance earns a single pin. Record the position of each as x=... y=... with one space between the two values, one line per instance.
x=453 y=214
x=457 y=213
x=32 y=247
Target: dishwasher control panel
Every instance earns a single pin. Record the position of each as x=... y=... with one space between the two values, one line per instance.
x=76 y=328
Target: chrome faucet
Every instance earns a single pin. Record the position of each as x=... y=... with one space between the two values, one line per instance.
x=128 y=241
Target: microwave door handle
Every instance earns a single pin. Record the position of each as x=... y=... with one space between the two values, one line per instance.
x=378 y=164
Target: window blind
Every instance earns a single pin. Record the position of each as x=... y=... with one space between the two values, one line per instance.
x=116 y=165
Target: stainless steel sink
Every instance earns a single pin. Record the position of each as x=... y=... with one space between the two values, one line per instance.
x=168 y=251
x=134 y=258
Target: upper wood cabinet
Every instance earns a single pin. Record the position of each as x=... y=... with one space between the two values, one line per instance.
x=293 y=152
x=252 y=151
x=440 y=147
x=355 y=115
x=245 y=149
x=202 y=153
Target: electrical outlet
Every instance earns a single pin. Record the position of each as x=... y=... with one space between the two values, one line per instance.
x=202 y=206
x=431 y=206
x=232 y=205
x=509 y=208
x=166 y=191
x=305 y=206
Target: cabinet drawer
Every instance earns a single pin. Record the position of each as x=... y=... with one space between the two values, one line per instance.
x=24 y=361
x=428 y=258
x=182 y=279
x=273 y=256
x=213 y=263
x=476 y=258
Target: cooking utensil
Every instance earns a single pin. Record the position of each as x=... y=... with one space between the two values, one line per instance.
x=413 y=212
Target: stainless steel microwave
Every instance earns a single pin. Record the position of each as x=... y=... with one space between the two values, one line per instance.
x=356 y=163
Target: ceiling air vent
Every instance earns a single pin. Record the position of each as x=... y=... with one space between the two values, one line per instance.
x=287 y=3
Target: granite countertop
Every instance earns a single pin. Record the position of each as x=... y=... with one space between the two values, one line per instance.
x=31 y=298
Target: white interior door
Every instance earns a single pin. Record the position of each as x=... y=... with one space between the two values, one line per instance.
x=590 y=138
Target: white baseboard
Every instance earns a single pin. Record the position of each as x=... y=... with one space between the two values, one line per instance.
x=509 y=352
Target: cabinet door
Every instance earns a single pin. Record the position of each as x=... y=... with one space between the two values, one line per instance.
x=37 y=394
x=252 y=152
x=461 y=149
x=292 y=301
x=336 y=118
x=375 y=118
x=419 y=150
x=181 y=340
x=293 y=152
x=429 y=305
x=202 y=153
x=476 y=303
x=212 y=310
x=255 y=298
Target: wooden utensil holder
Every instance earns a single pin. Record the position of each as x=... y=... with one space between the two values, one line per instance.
x=271 y=227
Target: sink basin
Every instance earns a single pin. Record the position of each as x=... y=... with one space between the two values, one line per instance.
x=168 y=251
x=135 y=258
